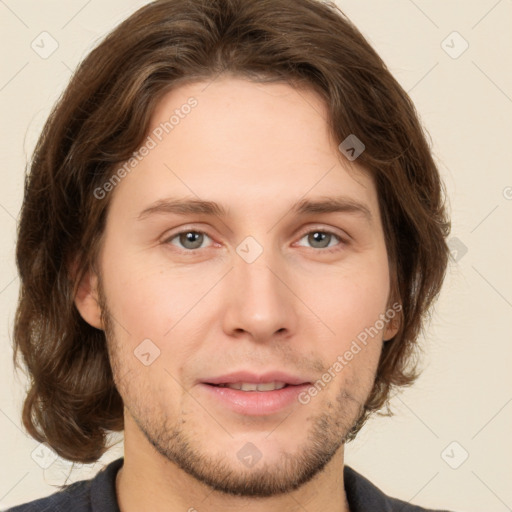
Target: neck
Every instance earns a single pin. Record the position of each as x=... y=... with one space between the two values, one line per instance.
x=149 y=481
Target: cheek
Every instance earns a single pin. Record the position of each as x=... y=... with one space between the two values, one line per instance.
x=350 y=304
x=140 y=297
x=349 y=300
x=148 y=296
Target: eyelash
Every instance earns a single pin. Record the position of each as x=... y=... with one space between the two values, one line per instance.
x=336 y=248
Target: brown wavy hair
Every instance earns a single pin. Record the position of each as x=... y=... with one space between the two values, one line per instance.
x=101 y=119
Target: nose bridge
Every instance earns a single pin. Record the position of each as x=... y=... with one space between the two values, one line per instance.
x=261 y=303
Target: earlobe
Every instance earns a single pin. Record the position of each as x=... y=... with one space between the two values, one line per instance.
x=87 y=300
x=392 y=327
x=390 y=332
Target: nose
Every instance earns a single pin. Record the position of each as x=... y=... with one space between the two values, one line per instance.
x=259 y=299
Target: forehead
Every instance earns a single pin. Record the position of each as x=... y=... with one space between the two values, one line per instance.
x=245 y=144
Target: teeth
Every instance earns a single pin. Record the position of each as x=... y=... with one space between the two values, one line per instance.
x=247 y=386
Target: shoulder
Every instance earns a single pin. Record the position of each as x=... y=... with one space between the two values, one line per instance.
x=74 y=497
x=362 y=495
x=95 y=495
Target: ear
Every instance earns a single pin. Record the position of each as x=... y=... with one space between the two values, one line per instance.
x=87 y=300
x=393 y=324
x=391 y=329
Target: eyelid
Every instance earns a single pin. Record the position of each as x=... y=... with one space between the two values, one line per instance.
x=343 y=239
x=342 y=235
x=186 y=229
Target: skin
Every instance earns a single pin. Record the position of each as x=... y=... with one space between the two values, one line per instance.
x=256 y=149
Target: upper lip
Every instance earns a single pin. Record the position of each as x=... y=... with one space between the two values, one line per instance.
x=246 y=376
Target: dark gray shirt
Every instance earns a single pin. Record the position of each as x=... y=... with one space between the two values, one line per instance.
x=99 y=495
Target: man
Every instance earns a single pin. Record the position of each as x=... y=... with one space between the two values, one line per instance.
x=231 y=233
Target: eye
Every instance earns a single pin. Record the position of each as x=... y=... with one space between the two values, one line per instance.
x=188 y=239
x=321 y=239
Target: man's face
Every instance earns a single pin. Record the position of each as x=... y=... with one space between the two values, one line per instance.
x=262 y=288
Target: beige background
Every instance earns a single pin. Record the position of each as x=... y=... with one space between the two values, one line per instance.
x=465 y=392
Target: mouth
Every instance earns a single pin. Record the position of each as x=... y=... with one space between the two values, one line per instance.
x=251 y=394
x=251 y=386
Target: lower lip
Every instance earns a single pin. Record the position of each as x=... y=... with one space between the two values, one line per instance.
x=256 y=403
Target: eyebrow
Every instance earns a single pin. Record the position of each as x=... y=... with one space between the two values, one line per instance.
x=188 y=206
